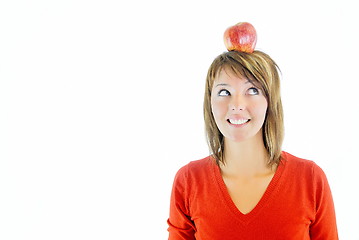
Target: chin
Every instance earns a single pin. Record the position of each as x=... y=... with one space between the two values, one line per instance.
x=240 y=138
x=237 y=139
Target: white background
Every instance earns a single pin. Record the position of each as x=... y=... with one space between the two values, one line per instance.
x=101 y=104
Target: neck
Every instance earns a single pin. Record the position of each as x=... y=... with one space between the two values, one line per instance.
x=248 y=158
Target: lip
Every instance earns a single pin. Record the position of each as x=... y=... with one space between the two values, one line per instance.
x=237 y=116
x=238 y=125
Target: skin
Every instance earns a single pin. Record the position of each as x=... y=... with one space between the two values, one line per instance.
x=245 y=172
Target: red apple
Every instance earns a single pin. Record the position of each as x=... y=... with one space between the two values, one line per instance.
x=240 y=37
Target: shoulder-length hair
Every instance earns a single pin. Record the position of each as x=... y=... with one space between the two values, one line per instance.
x=260 y=69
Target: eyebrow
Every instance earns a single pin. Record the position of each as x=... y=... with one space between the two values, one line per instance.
x=225 y=84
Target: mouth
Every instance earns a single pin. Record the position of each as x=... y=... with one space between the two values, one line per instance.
x=238 y=122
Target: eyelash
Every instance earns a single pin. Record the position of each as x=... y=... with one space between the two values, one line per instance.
x=256 y=90
x=222 y=90
x=228 y=93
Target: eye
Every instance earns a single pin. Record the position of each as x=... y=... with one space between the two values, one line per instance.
x=224 y=92
x=253 y=91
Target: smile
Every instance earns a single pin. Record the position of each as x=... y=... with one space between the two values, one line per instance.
x=238 y=121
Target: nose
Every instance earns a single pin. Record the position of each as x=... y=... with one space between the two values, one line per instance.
x=237 y=103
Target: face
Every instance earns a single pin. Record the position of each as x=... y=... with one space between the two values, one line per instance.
x=239 y=107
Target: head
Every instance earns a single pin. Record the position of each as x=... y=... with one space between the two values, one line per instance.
x=261 y=71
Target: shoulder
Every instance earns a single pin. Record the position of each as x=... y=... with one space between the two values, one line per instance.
x=195 y=173
x=195 y=168
x=297 y=163
x=303 y=168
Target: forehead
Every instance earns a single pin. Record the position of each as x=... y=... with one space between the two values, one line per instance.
x=228 y=76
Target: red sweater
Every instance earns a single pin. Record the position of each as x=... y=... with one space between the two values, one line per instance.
x=296 y=205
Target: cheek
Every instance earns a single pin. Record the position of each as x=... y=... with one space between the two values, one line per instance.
x=218 y=108
x=260 y=108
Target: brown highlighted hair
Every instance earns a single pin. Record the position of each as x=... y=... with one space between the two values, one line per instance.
x=262 y=71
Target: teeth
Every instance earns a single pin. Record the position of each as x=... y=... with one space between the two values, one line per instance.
x=239 y=121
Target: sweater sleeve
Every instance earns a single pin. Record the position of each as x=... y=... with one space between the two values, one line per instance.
x=181 y=227
x=324 y=225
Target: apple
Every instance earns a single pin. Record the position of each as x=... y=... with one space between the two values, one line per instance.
x=240 y=37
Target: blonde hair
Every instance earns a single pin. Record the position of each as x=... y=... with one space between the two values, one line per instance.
x=262 y=71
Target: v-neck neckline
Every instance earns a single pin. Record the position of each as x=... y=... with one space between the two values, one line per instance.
x=269 y=192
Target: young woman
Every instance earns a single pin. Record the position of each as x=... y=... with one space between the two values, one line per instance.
x=248 y=188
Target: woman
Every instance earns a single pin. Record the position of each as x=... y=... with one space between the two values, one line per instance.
x=248 y=188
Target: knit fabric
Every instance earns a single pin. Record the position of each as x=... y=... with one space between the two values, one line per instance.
x=297 y=204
